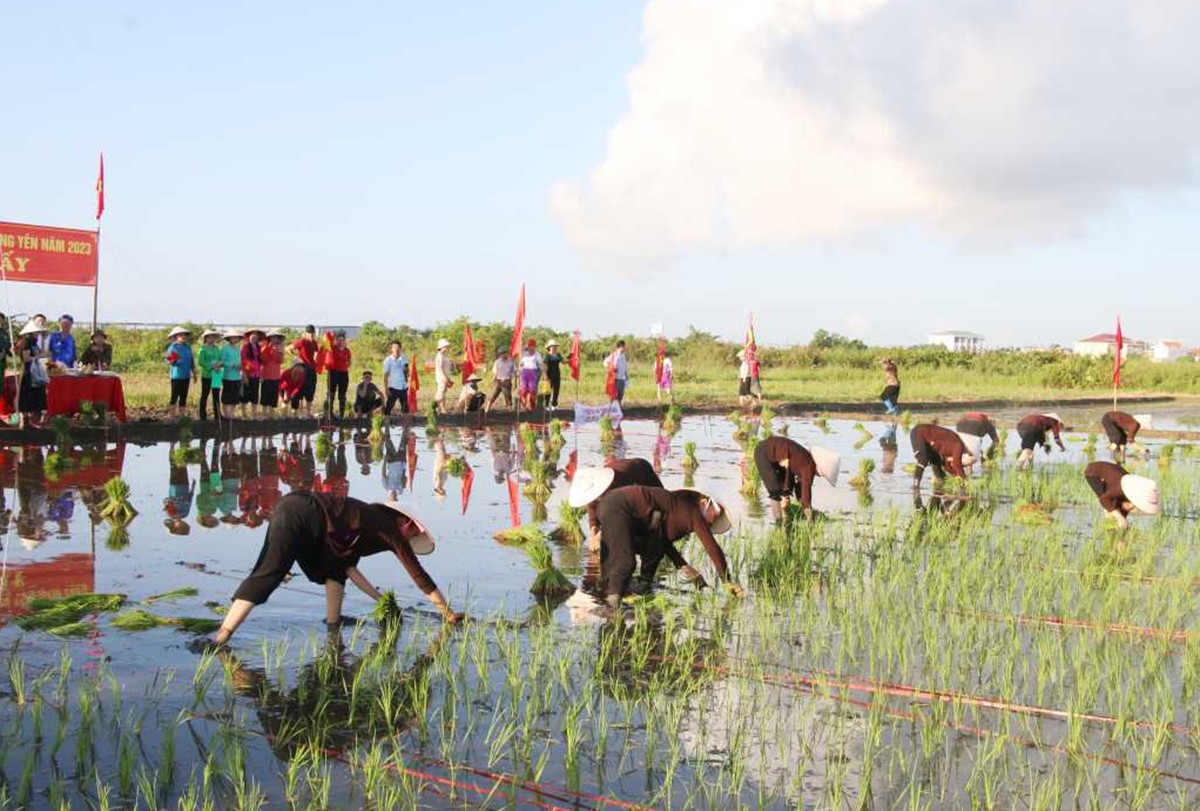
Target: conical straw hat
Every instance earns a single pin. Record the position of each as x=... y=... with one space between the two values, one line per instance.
x=973 y=444
x=1141 y=492
x=422 y=543
x=721 y=524
x=1053 y=416
x=588 y=485
x=829 y=464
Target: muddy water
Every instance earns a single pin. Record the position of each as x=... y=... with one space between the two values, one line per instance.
x=201 y=525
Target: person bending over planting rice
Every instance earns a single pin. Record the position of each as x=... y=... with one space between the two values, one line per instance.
x=1120 y=493
x=1121 y=429
x=978 y=424
x=787 y=469
x=943 y=450
x=326 y=535
x=645 y=523
x=615 y=474
x=1032 y=430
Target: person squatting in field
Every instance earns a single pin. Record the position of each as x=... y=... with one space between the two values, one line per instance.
x=1032 y=430
x=1120 y=492
x=978 y=424
x=327 y=535
x=617 y=473
x=644 y=523
x=943 y=450
x=787 y=470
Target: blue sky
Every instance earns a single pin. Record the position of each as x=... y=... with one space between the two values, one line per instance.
x=280 y=163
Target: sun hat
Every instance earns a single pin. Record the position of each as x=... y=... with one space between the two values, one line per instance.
x=1053 y=416
x=551 y=342
x=1141 y=492
x=32 y=327
x=588 y=484
x=422 y=543
x=1144 y=420
x=721 y=523
x=66 y=317
x=973 y=444
x=179 y=331
x=253 y=330
x=208 y=333
x=233 y=333
x=32 y=543
x=443 y=343
x=829 y=464
x=275 y=332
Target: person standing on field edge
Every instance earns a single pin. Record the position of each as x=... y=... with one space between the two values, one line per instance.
x=617 y=364
x=745 y=391
x=305 y=349
x=395 y=378
x=337 y=364
x=891 y=387
x=502 y=375
x=443 y=374
x=553 y=362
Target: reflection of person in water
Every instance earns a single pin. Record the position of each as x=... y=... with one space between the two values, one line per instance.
x=337 y=471
x=178 y=503
x=440 y=473
x=327 y=535
x=500 y=444
x=394 y=470
x=362 y=451
x=60 y=511
x=887 y=441
x=339 y=702
x=31 y=497
x=208 y=498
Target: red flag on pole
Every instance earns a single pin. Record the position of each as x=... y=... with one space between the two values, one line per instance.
x=472 y=354
x=514 y=349
x=573 y=360
x=100 y=190
x=414 y=384
x=1117 y=357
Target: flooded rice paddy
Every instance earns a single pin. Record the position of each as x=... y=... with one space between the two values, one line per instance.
x=994 y=646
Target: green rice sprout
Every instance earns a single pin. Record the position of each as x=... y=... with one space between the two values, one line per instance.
x=607 y=432
x=569 y=518
x=48 y=614
x=672 y=419
x=520 y=535
x=550 y=582
x=431 y=419
x=386 y=608
x=457 y=466
x=186 y=455
x=556 y=439
x=174 y=594
x=865 y=468
x=322 y=445
x=376 y=434
x=116 y=506
x=689 y=462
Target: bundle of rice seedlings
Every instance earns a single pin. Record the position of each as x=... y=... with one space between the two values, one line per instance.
x=520 y=535
x=431 y=420
x=118 y=537
x=117 y=507
x=386 y=608
x=673 y=419
x=865 y=468
x=321 y=446
x=62 y=434
x=196 y=625
x=137 y=619
x=529 y=438
x=556 y=440
x=550 y=582
x=607 y=431
x=48 y=614
x=174 y=594
x=376 y=434
x=72 y=629
x=906 y=419
x=742 y=429
x=186 y=455
x=569 y=529
x=54 y=464
x=822 y=422
x=456 y=466
x=783 y=429
x=689 y=462
x=538 y=488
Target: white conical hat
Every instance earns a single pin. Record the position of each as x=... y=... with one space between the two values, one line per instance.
x=32 y=327
x=588 y=484
x=721 y=523
x=179 y=331
x=422 y=543
x=1053 y=416
x=828 y=464
x=32 y=543
x=1141 y=492
x=1144 y=420
x=443 y=344
x=973 y=444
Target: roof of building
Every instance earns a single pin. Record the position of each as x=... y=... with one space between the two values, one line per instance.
x=1176 y=344
x=957 y=332
x=1100 y=338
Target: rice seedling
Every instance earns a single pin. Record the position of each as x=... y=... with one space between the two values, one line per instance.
x=322 y=445
x=375 y=436
x=862 y=480
x=117 y=507
x=521 y=535
x=569 y=529
x=550 y=582
x=672 y=419
x=689 y=462
x=608 y=432
x=46 y=613
x=386 y=608
x=457 y=466
x=822 y=422
x=555 y=438
x=137 y=619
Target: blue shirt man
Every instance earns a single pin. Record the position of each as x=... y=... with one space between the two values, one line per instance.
x=62 y=343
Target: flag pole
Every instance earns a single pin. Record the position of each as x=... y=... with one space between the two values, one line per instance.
x=96 y=283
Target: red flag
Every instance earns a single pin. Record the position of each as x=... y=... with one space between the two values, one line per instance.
x=514 y=501
x=658 y=360
x=751 y=343
x=100 y=190
x=467 y=480
x=414 y=384
x=572 y=466
x=410 y=458
x=573 y=360
x=1117 y=357
x=610 y=382
x=514 y=349
x=472 y=355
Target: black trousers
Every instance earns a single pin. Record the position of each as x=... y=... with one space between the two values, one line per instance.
x=1116 y=434
x=338 y=383
x=294 y=535
x=890 y=393
x=179 y=392
x=926 y=456
x=206 y=391
x=396 y=396
x=1030 y=439
x=554 y=376
x=776 y=479
x=621 y=544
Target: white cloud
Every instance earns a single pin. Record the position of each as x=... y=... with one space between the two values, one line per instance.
x=780 y=121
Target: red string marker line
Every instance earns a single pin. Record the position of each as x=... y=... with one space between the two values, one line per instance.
x=1120 y=629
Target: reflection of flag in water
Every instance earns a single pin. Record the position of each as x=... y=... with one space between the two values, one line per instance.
x=572 y=464
x=414 y=386
x=514 y=501
x=467 y=480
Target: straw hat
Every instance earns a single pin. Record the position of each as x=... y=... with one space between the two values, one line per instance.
x=588 y=484
x=32 y=543
x=721 y=523
x=253 y=330
x=422 y=543
x=829 y=464
x=443 y=343
x=233 y=333
x=1144 y=420
x=275 y=332
x=1141 y=492
x=1053 y=416
x=33 y=327
x=551 y=342
x=178 y=331
x=209 y=333
x=973 y=444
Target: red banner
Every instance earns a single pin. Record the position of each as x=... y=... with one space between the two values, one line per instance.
x=37 y=253
x=64 y=576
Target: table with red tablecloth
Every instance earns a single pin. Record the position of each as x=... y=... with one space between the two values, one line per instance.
x=66 y=392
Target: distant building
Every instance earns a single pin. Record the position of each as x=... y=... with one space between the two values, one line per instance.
x=1106 y=343
x=957 y=340
x=1167 y=351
